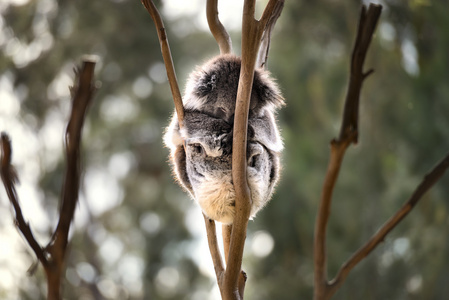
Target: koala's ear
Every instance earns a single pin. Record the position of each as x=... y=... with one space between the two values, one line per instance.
x=206 y=84
x=264 y=130
x=179 y=159
x=267 y=90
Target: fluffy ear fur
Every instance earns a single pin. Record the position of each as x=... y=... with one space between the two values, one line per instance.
x=202 y=152
x=179 y=161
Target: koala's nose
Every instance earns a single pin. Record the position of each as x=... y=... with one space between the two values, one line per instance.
x=254 y=154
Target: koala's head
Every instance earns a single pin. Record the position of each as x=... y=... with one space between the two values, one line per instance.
x=212 y=89
x=202 y=152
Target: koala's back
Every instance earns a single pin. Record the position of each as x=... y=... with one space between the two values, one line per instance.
x=212 y=89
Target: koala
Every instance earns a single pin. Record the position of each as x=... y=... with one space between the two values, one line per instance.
x=201 y=153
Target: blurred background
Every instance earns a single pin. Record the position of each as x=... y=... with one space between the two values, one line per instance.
x=137 y=235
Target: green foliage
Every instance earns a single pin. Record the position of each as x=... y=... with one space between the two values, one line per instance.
x=137 y=235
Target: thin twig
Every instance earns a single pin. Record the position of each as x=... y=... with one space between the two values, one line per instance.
x=262 y=55
x=9 y=178
x=216 y=27
x=168 y=61
x=213 y=246
x=367 y=25
x=429 y=180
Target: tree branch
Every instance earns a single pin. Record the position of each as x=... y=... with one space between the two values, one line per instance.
x=53 y=255
x=252 y=31
x=168 y=61
x=367 y=25
x=9 y=178
x=226 y=231
x=213 y=247
x=429 y=180
x=262 y=56
x=338 y=150
x=82 y=94
x=233 y=280
x=348 y=135
x=216 y=27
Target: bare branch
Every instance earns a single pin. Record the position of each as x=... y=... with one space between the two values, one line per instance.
x=53 y=255
x=251 y=34
x=166 y=55
x=216 y=27
x=367 y=25
x=429 y=180
x=262 y=56
x=338 y=150
x=252 y=31
x=9 y=178
x=348 y=135
x=226 y=231
x=82 y=94
x=213 y=247
x=242 y=283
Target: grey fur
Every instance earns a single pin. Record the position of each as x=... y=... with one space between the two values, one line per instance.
x=202 y=153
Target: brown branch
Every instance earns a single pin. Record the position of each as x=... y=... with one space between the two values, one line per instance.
x=367 y=24
x=262 y=55
x=9 y=178
x=429 y=180
x=348 y=135
x=338 y=150
x=231 y=281
x=213 y=247
x=226 y=233
x=166 y=55
x=82 y=94
x=53 y=255
x=216 y=27
x=252 y=30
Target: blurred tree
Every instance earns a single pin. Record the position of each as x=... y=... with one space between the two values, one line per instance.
x=138 y=236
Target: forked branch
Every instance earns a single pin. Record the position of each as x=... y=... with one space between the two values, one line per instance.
x=53 y=255
x=325 y=289
x=429 y=180
x=82 y=94
x=348 y=135
x=230 y=280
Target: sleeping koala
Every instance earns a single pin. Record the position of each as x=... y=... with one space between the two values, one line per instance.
x=201 y=152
